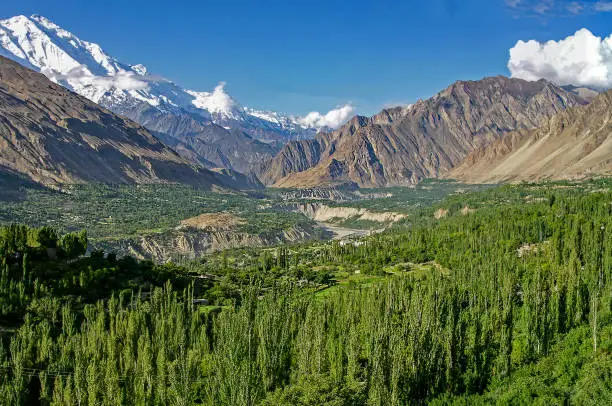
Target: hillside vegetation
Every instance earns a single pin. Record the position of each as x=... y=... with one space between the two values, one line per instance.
x=508 y=303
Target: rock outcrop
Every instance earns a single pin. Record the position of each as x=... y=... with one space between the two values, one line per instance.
x=191 y=243
x=325 y=213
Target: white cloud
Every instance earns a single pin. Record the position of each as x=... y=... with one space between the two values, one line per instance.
x=557 y=8
x=575 y=7
x=217 y=101
x=121 y=81
x=333 y=119
x=603 y=6
x=582 y=59
x=80 y=76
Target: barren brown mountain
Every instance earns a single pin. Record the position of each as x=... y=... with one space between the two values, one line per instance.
x=576 y=143
x=54 y=136
x=403 y=145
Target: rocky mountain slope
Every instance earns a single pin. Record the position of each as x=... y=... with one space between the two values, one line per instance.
x=301 y=155
x=54 y=136
x=130 y=90
x=403 y=145
x=205 y=142
x=573 y=144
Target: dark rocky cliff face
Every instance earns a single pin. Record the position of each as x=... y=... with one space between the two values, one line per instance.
x=203 y=141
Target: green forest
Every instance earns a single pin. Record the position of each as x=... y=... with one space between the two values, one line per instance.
x=504 y=298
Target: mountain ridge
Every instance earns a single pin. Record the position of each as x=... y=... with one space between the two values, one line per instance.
x=130 y=90
x=575 y=143
x=402 y=145
x=54 y=136
x=38 y=43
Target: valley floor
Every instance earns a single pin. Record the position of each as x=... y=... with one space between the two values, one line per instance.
x=155 y=221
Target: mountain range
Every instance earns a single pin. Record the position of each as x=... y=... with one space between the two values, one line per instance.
x=196 y=120
x=403 y=145
x=54 y=136
x=113 y=122
x=573 y=144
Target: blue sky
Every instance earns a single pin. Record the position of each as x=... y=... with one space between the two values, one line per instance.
x=296 y=57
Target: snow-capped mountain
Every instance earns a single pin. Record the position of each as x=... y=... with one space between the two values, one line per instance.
x=85 y=68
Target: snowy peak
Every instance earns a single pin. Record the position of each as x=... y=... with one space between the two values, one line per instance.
x=140 y=69
x=48 y=47
x=85 y=68
x=81 y=66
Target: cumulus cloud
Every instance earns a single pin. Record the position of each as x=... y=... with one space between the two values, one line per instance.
x=217 y=101
x=582 y=59
x=333 y=119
